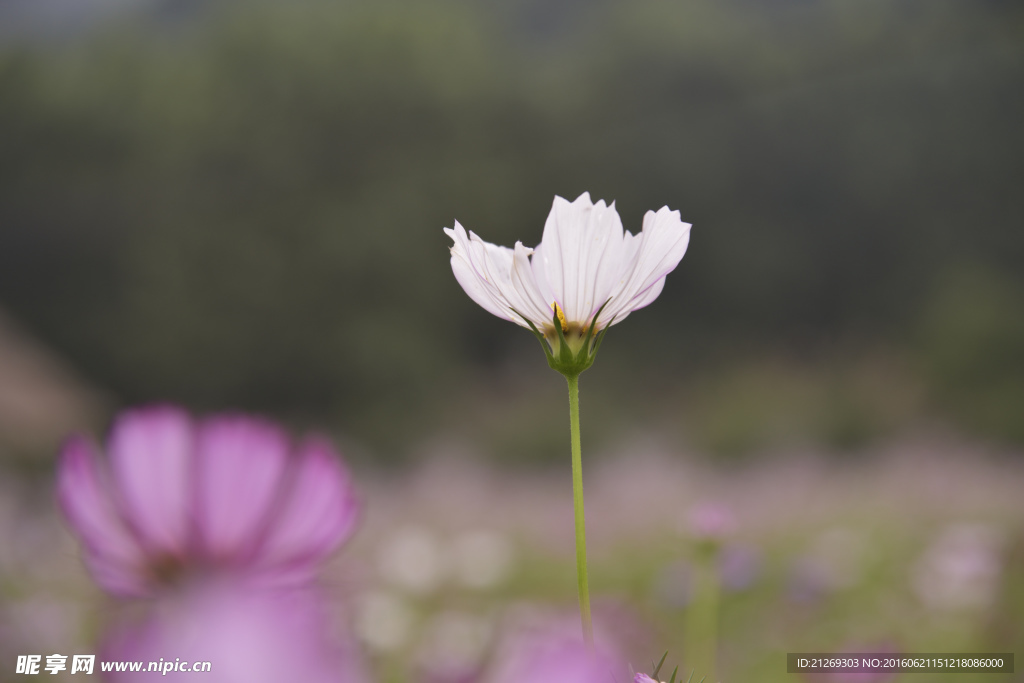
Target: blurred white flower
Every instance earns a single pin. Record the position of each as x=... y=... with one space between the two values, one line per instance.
x=482 y=559
x=383 y=621
x=673 y=586
x=960 y=569
x=412 y=560
x=453 y=646
x=834 y=561
x=45 y=619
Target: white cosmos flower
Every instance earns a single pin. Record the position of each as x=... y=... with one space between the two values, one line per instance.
x=584 y=261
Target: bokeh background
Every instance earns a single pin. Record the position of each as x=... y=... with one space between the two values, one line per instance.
x=238 y=206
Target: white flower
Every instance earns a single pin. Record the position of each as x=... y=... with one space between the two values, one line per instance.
x=584 y=261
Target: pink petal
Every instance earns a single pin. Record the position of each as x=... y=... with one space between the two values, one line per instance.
x=316 y=517
x=112 y=553
x=247 y=636
x=238 y=469
x=151 y=453
x=555 y=659
x=120 y=578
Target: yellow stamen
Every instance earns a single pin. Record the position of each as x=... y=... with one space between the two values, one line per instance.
x=561 y=315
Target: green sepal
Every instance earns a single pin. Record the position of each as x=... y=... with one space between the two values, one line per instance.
x=657 y=669
x=565 y=356
x=538 y=335
x=559 y=351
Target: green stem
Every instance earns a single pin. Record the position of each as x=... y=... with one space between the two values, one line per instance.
x=577 y=504
x=711 y=653
x=702 y=614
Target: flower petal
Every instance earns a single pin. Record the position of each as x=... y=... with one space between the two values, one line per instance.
x=150 y=454
x=528 y=299
x=471 y=280
x=652 y=254
x=123 y=579
x=498 y=265
x=112 y=554
x=580 y=255
x=549 y=655
x=318 y=514
x=247 y=636
x=239 y=465
x=486 y=273
x=646 y=298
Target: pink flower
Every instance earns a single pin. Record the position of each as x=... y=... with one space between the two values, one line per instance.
x=246 y=636
x=711 y=521
x=643 y=678
x=552 y=653
x=179 y=500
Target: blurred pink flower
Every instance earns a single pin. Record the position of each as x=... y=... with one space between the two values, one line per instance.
x=246 y=636
x=555 y=654
x=711 y=521
x=859 y=651
x=179 y=500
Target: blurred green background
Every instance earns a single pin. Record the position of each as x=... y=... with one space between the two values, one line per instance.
x=239 y=204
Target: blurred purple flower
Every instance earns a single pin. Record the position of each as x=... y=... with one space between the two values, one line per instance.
x=180 y=500
x=246 y=636
x=738 y=566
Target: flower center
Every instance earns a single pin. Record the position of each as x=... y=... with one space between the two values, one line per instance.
x=167 y=570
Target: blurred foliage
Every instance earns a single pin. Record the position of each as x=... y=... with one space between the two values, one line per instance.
x=974 y=350
x=243 y=206
x=842 y=404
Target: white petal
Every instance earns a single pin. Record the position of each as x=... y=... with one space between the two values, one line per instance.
x=647 y=297
x=602 y=258
x=580 y=255
x=472 y=278
x=498 y=278
x=529 y=300
x=499 y=264
x=561 y=248
x=540 y=275
x=654 y=253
